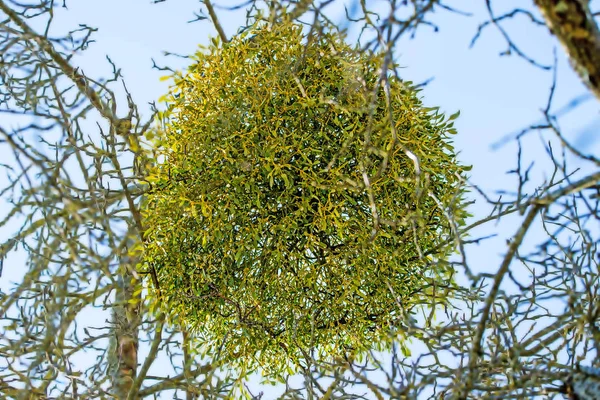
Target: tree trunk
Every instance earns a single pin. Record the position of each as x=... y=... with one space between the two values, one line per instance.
x=124 y=351
x=574 y=26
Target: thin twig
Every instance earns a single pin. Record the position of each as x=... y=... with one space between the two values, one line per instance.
x=215 y=20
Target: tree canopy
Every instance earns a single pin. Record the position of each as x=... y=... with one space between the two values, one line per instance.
x=307 y=184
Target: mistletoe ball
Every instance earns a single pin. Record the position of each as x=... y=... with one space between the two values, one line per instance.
x=304 y=198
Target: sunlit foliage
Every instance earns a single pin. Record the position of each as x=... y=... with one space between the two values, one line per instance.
x=304 y=194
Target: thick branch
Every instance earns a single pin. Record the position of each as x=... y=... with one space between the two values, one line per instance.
x=573 y=24
x=124 y=355
x=156 y=342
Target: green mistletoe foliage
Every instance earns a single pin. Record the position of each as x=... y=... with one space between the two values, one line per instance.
x=297 y=205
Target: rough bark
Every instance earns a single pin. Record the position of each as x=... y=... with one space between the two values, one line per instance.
x=574 y=26
x=583 y=384
x=124 y=352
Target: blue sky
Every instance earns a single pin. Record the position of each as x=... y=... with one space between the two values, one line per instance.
x=496 y=95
